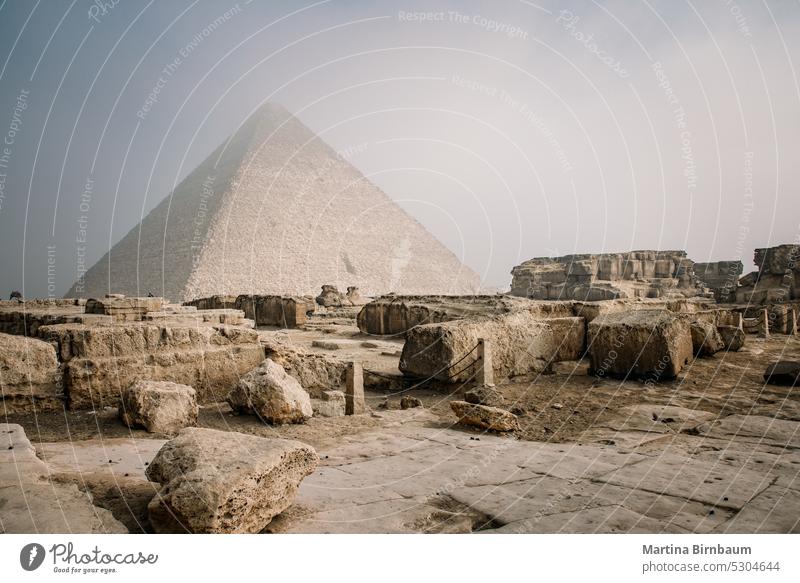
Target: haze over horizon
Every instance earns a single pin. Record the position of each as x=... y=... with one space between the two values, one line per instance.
x=509 y=130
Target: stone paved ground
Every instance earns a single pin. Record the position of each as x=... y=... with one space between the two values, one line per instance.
x=714 y=451
x=738 y=474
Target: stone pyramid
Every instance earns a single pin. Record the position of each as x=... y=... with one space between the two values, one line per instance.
x=275 y=210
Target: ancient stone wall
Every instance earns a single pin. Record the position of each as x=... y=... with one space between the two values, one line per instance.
x=100 y=361
x=218 y=302
x=777 y=279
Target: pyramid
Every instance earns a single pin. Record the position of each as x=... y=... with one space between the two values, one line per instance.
x=275 y=210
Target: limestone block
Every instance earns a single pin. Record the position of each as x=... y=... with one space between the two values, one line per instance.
x=30 y=378
x=225 y=482
x=706 y=340
x=522 y=342
x=332 y=404
x=271 y=394
x=733 y=337
x=640 y=343
x=783 y=372
x=159 y=406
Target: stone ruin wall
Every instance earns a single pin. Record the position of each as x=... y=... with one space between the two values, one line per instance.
x=777 y=279
x=722 y=277
x=263 y=310
x=96 y=355
x=606 y=276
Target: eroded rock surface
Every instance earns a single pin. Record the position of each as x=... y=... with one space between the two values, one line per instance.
x=159 y=406
x=484 y=417
x=706 y=340
x=273 y=395
x=225 y=482
x=29 y=375
x=643 y=343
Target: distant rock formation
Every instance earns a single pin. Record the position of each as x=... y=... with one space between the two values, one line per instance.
x=607 y=276
x=777 y=279
x=722 y=277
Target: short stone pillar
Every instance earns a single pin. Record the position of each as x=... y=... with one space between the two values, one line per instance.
x=763 y=323
x=791 y=327
x=354 y=403
x=485 y=375
x=738 y=320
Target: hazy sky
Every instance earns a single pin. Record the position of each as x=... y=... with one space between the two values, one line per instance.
x=511 y=129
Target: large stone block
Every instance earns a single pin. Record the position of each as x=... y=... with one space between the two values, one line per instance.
x=285 y=312
x=225 y=482
x=706 y=340
x=30 y=377
x=521 y=343
x=159 y=406
x=643 y=343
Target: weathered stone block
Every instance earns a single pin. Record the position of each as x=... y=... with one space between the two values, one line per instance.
x=521 y=343
x=30 y=378
x=225 y=482
x=783 y=372
x=271 y=394
x=642 y=343
x=331 y=404
x=159 y=406
x=706 y=340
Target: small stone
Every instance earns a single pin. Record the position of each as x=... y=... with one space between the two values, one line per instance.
x=484 y=417
x=557 y=406
x=485 y=395
x=409 y=402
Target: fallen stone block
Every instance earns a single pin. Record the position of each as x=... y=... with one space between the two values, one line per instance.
x=315 y=372
x=271 y=394
x=783 y=372
x=642 y=343
x=484 y=417
x=225 y=482
x=159 y=406
x=30 y=378
x=521 y=343
x=706 y=340
x=733 y=337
